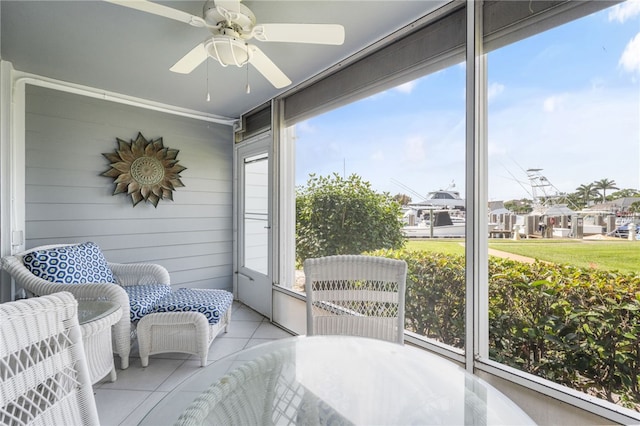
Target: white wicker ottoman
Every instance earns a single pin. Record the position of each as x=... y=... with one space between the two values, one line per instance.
x=186 y=321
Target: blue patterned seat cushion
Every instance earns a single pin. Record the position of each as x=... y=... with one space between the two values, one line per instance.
x=142 y=298
x=75 y=264
x=212 y=303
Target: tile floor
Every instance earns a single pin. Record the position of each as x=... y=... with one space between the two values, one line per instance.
x=137 y=390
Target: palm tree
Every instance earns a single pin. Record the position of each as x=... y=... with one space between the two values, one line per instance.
x=604 y=184
x=586 y=193
x=625 y=193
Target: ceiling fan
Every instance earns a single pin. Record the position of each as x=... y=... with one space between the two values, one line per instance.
x=232 y=25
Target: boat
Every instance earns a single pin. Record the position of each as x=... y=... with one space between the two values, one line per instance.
x=436 y=224
x=444 y=199
x=552 y=216
x=439 y=224
x=440 y=215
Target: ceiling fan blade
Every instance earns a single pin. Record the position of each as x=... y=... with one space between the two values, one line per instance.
x=160 y=10
x=300 y=33
x=191 y=60
x=267 y=68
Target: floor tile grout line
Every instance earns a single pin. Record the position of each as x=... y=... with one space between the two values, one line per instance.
x=124 y=421
x=173 y=372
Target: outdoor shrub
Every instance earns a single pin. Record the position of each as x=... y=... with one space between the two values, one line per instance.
x=434 y=301
x=335 y=216
x=574 y=326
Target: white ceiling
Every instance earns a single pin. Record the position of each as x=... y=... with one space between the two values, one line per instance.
x=117 y=49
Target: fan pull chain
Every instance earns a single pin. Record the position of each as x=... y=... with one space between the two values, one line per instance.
x=247 y=64
x=208 y=94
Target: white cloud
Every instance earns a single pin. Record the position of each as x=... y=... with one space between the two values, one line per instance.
x=376 y=96
x=406 y=88
x=305 y=127
x=496 y=149
x=495 y=89
x=552 y=103
x=377 y=155
x=597 y=83
x=414 y=149
x=625 y=11
x=573 y=145
x=630 y=59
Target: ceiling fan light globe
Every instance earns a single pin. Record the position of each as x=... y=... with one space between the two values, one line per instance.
x=228 y=51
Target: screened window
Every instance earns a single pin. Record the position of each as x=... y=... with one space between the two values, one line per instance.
x=563 y=134
x=548 y=153
x=412 y=154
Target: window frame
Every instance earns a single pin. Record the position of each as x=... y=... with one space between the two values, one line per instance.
x=475 y=359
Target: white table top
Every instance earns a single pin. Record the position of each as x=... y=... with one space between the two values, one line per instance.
x=361 y=381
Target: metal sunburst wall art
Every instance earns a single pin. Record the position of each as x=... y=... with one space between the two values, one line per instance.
x=145 y=170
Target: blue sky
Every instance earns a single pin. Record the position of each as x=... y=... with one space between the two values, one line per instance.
x=566 y=101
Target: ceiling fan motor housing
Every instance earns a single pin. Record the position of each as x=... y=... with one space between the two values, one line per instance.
x=237 y=16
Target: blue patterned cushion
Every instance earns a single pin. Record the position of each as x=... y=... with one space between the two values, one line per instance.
x=212 y=303
x=142 y=298
x=77 y=264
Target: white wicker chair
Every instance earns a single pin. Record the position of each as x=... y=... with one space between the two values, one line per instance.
x=44 y=377
x=356 y=295
x=263 y=391
x=127 y=274
x=252 y=394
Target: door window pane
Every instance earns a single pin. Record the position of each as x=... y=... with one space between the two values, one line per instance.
x=256 y=214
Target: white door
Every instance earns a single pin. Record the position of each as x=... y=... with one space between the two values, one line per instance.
x=254 y=276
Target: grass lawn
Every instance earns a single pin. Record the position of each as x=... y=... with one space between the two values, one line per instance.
x=619 y=255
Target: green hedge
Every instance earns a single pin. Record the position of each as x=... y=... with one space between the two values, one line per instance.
x=578 y=327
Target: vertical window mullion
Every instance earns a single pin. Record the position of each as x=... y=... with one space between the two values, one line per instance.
x=476 y=190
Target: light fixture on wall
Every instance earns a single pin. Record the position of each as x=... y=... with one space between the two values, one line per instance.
x=145 y=170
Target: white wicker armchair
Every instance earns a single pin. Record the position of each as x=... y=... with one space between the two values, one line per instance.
x=127 y=274
x=356 y=295
x=44 y=378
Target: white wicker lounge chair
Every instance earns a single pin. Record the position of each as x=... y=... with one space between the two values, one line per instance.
x=356 y=295
x=131 y=275
x=44 y=378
